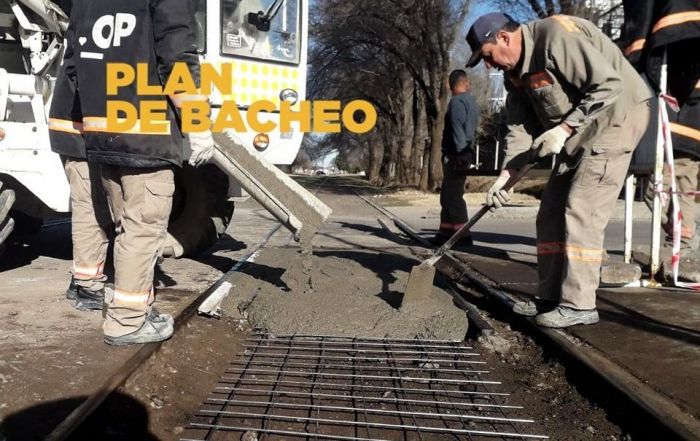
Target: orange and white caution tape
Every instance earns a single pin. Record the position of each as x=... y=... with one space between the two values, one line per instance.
x=676 y=215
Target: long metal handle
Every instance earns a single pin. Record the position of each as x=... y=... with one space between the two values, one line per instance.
x=466 y=227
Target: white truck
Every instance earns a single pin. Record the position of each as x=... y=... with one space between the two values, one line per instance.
x=264 y=40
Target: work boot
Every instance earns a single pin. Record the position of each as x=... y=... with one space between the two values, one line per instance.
x=88 y=300
x=562 y=317
x=72 y=291
x=531 y=308
x=154 y=329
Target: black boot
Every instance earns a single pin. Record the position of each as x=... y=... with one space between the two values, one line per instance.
x=72 y=291
x=88 y=300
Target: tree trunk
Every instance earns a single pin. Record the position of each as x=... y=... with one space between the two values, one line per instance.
x=425 y=170
x=420 y=134
x=405 y=165
x=435 y=179
x=376 y=152
x=437 y=125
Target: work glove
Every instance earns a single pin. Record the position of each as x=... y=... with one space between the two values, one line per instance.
x=550 y=142
x=496 y=196
x=202 y=146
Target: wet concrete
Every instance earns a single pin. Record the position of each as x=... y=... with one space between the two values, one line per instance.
x=355 y=293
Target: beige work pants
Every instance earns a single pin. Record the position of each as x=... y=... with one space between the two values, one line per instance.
x=140 y=201
x=575 y=210
x=687 y=181
x=686 y=171
x=90 y=222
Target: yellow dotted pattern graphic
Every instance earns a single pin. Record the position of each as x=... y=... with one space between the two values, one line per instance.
x=254 y=82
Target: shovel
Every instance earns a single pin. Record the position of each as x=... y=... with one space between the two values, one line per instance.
x=420 y=281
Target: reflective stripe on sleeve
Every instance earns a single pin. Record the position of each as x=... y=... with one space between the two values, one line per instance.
x=636 y=45
x=179 y=98
x=676 y=19
x=686 y=131
x=99 y=124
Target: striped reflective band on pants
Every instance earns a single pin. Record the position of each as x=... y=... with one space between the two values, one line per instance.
x=450 y=227
x=572 y=252
x=88 y=271
x=64 y=125
x=122 y=297
x=99 y=124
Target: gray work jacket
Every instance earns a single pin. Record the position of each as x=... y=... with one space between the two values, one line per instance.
x=571 y=72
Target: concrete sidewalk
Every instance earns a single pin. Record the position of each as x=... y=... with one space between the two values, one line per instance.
x=652 y=333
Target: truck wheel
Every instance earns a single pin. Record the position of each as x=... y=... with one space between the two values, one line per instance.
x=7 y=198
x=201 y=210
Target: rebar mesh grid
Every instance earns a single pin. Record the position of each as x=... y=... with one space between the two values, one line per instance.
x=324 y=387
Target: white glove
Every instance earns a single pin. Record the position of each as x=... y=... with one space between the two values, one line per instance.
x=550 y=142
x=202 y=145
x=496 y=196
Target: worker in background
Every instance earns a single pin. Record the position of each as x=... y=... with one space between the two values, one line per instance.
x=572 y=94
x=461 y=121
x=136 y=165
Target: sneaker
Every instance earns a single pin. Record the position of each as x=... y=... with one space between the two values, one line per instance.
x=533 y=307
x=154 y=329
x=88 y=300
x=562 y=317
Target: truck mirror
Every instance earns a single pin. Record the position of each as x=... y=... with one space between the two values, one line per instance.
x=259 y=20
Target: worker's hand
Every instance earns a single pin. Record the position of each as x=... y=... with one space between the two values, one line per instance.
x=202 y=145
x=551 y=142
x=464 y=159
x=496 y=196
x=461 y=163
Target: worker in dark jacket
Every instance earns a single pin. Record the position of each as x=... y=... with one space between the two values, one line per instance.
x=461 y=121
x=136 y=163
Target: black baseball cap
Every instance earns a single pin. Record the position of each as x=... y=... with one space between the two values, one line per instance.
x=481 y=30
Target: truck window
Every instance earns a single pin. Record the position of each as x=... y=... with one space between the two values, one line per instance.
x=241 y=38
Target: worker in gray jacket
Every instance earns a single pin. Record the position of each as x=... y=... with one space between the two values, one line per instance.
x=572 y=94
x=461 y=121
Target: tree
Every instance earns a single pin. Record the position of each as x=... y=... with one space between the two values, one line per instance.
x=397 y=55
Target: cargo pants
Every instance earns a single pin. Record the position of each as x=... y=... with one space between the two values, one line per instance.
x=140 y=201
x=90 y=223
x=686 y=170
x=575 y=209
x=453 y=213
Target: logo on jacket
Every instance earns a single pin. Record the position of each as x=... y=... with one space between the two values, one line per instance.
x=108 y=31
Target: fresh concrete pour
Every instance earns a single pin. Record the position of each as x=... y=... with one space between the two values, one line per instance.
x=352 y=293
